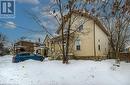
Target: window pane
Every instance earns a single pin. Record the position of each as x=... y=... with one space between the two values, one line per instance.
x=99 y=47
x=80 y=28
x=78 y=47
x=77 y=44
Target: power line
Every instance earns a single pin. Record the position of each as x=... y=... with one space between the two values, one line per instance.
x=38 y=21
x=21 y=27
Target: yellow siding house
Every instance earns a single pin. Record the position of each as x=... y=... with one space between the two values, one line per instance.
x=89 y=38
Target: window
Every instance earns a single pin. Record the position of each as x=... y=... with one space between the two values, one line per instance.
x=64 y=44
x=48 y=44
x=52 y=42
x=77 y=44
x=99 y=48
x=80 y=28
x=78 y=47
x=81 y=23
x=65 y=30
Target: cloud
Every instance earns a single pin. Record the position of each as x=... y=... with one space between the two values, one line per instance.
x=47 y=18
x=39 y=36
x=35 y=2
x=36 y=9
x=10 y=25
x=35 y=37
x=53 y=1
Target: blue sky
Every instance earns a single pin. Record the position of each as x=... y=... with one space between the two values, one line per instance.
x=23 y=23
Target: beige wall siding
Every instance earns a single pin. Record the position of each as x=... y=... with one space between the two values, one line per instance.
x=87 y=41
x=101 y=39
x=86 y=37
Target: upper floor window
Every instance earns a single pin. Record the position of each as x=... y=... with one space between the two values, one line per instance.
x=65 y=30
x=80 y=28
x=48 y=44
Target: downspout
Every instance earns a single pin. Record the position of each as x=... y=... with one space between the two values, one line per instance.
x=94 y=40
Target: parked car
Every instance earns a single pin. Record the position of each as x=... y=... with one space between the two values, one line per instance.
x=26 y=56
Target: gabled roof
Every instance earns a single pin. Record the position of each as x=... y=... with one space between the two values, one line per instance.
x=59 y=37
x=24 y=42
x=86 y=15
x=47 y=36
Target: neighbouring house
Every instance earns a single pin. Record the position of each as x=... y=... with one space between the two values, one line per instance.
x=47 y=46
x=39 y=49
x=127 y=49
x=22 y=46
x=88 y=38
x=125 y=54
x=28 y=46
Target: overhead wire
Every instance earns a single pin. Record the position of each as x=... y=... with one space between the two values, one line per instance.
x=21 y=27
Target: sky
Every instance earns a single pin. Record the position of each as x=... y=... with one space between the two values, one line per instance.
x=23 y=25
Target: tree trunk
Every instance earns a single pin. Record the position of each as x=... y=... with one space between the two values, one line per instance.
x=68 y=38
x=67 y=45
x=63 y=49
x=117 y=56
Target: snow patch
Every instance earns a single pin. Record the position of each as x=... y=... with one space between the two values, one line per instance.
x=78 y=72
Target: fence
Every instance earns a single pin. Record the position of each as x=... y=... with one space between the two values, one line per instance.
x=124 y=56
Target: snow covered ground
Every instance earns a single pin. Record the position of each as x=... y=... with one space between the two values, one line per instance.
x=80 y=72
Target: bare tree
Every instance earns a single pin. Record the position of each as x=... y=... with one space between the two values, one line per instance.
x=66 y=19
x=2 y=42
x=115 y=15
x=63 y=11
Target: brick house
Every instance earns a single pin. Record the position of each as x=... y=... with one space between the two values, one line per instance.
x=24 y=46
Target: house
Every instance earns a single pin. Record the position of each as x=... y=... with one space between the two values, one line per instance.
x=89 y=38
x=28 y=46
x=125 y=54
x=22 y=46
x=48 y=46
x=39 y=49
x=127 y=49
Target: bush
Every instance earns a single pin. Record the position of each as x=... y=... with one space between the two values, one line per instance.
x=5 y=51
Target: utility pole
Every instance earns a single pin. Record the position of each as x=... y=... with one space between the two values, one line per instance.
x=14 y=49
